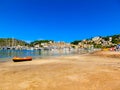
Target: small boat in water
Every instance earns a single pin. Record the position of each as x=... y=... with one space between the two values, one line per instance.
x=20 y=59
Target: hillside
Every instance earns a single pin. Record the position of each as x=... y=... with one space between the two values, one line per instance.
x=100 y=41
x=12 y=42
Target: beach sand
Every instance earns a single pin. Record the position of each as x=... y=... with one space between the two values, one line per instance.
x=95 y=71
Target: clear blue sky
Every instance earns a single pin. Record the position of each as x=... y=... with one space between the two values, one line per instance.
x=59 y=20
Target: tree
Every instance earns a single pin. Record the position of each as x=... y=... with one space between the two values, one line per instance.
x=76 y=42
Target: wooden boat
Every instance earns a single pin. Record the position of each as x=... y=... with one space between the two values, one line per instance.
x=20 y=59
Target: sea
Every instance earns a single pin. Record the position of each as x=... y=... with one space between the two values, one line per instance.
x=6 y=55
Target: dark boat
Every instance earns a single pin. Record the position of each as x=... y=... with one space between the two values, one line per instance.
x=20 y=59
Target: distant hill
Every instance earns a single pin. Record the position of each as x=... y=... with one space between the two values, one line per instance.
x=40 y=41
x=100 y=41
x=12 y=42
x=115 y=38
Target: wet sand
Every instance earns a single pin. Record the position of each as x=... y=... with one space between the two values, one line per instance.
x=96 y=71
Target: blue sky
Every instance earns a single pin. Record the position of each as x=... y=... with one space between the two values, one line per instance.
x=59 y=20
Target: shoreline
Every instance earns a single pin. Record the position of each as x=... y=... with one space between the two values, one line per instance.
x=9 y=59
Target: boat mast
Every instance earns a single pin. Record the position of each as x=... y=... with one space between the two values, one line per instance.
x=12 y=42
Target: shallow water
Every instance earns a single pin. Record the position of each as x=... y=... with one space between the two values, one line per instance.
x=6 y=55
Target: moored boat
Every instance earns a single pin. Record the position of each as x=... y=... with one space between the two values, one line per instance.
x=20 y=59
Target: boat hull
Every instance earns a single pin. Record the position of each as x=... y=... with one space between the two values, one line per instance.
x=16 y=59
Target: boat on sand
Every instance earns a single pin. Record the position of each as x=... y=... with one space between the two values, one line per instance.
x=20 y=59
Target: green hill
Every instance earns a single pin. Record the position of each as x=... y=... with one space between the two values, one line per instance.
x=103 y=41
x=12 y=42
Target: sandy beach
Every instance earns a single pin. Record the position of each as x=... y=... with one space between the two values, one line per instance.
x=95 y=71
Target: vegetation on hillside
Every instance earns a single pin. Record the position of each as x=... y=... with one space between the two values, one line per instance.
x=12 y=42
x=115 y=40
x=76 y=42
x=40 y=41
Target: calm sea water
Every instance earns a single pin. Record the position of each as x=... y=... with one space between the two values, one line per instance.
x=8 y=54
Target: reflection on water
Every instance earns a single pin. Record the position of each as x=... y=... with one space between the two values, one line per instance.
x=37 y=53
x=22 y=53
